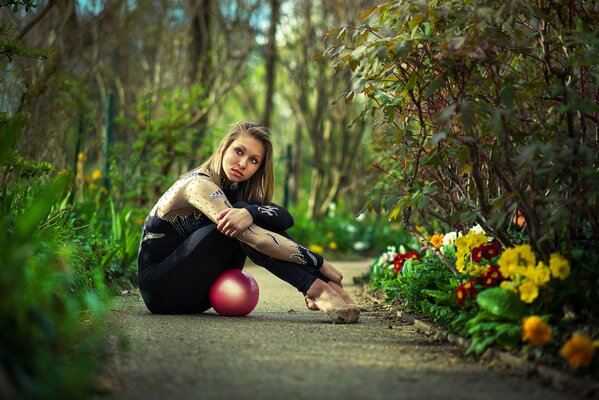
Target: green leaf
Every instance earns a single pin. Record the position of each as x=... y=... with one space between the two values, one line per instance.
x=502 y=302
x=507 y=95
x=433 y=86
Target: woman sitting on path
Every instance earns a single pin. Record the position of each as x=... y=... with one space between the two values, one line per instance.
x=217 y=214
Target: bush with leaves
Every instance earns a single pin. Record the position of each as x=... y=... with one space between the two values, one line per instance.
x=487 y=114
x=52 y=306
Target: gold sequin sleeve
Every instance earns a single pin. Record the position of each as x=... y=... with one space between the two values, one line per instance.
x=210 y=199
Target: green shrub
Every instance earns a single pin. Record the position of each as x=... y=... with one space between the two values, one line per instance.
x=486 y=113
x=52 y=306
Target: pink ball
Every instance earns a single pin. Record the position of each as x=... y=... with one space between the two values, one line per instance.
x=234 y=293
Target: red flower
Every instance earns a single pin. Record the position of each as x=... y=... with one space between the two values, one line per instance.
x=460 y=295
x=491 y=250
x=477 y=253
x=491 y=277
x=464 y=290
x=400 y=259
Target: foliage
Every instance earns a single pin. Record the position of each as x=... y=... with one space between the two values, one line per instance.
x=166 y=135
x=112 y=232
x=340 y=234
x=52 y=307
x=487 y=113
x=10 y=48
x=485 y=300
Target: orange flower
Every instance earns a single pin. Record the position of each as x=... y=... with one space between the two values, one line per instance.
x=535 y=331
x=437 y=240
x=578 y=350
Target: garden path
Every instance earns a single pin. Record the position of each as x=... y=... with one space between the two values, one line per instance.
x=284 y=351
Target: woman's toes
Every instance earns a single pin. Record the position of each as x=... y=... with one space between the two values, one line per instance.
x=311 y=304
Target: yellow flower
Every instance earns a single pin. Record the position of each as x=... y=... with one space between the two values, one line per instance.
x=315 y=248
x=97 y=174
x=461 y=244
x=508 y=285
x=528 y=291
x=333 y=246
x=81 y=156
x=437 y=240
x=560 y=267
x=525 y=255
x=578 y=350
x=460 y=265
x=516 y=261
x=539 y=275
x=507 y=261
x=478 y=270
x=476 y=239
x=535 y=331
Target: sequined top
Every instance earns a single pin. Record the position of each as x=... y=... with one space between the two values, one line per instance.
x=195 y=200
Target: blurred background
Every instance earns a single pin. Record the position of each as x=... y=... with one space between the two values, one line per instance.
x=130 y=94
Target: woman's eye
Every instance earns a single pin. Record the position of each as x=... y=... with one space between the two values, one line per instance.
x=238 y=151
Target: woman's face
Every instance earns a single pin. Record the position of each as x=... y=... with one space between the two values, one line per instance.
x=243 y=158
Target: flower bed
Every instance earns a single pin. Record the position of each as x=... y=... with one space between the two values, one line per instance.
x=506 y=298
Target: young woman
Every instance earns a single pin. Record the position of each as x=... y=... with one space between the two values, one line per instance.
x=216 y=215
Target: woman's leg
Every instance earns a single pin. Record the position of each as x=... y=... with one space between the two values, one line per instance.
x=181 y=282
x=316 y=287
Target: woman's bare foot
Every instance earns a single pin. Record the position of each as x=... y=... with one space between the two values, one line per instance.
x=314 y=307
x=341 y=292
x=310 y=304
x=328 y=300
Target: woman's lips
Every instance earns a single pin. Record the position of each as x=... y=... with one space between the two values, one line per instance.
x=237 y=173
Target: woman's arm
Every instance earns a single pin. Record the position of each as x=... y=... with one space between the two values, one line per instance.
x=271 y=216
x=211 y=201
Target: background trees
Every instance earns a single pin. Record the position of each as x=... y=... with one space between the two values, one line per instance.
x=178 y=73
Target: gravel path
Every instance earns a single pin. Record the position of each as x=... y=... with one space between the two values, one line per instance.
x=284 y=351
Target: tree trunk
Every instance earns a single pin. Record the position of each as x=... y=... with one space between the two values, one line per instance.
x=201 y=67
x=200 y=41
x=271 y=61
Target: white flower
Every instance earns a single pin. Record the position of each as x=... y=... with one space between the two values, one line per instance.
x=359 y=246
x=450 y=238
x=477 y=229
x=402 y=249
x=351 y=229
x=331 y=209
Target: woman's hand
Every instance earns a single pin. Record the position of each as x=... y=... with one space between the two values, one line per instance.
x=331 y=272
x=232 y=221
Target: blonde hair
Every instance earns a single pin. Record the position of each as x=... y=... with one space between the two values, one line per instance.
x=259 y=188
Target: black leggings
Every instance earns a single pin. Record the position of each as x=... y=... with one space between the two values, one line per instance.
x=179 y=283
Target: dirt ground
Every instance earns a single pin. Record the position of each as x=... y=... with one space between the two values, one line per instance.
x=282 y=350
